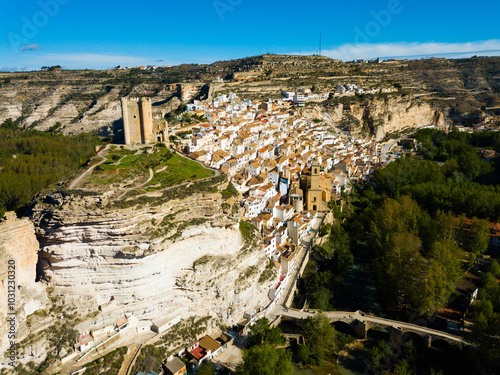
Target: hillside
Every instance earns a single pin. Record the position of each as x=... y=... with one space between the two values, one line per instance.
x=71 y=102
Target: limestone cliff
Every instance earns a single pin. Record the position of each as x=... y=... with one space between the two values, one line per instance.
x=181 y=257
x=395 y=115
x=377 y=117
x=18 y=255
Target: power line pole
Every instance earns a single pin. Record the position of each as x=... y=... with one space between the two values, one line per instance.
x=320 y=44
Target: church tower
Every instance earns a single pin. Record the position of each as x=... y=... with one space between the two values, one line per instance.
x=314 y=194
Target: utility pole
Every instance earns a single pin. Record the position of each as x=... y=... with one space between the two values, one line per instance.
x=320 y=44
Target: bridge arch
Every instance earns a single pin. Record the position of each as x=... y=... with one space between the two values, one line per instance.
x=343 y=327
x=440 y=343
x=417 y=339
x=378 y=333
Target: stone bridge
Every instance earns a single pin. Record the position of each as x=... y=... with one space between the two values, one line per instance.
x=362 y=323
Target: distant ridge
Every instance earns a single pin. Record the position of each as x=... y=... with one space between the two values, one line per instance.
x=450 y=55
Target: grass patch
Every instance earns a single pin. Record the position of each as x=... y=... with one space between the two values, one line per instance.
x=324 y=230
x=252 y=270
x=250 y=236
x=178 y=170
x=268 y=272
x=123 y=165
x=248 y=231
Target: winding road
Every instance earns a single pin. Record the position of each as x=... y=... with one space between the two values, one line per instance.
x=77 y=180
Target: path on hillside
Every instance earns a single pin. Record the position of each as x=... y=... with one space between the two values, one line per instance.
x=77 y=180
x=151 y=174
x=133 y=351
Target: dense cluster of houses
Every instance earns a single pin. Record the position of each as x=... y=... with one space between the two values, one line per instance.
x=287 y=167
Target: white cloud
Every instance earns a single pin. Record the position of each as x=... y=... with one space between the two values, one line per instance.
x=30 y=47
x=365 y=51
x=13 y=69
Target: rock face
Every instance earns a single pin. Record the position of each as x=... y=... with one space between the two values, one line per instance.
x=19 y=250
x=378 y=117
x=76 y=101
x=394 y=115
x=178 y=258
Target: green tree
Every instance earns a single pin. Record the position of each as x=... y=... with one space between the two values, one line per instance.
x=206 y=368
x=405 y=268
x=476 y=236
x=493 y=268
x=262 y=334
x=318 y=330
x=486 y=331
x=303 y=353
x=320 y=299
x=402 y=368
x=377 y=353
x=266 y=360
x=447 y=254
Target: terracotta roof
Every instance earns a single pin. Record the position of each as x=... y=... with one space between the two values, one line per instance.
x=198 y=353
x=84 y=339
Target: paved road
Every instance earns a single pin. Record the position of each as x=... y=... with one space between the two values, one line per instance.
x=351 y=316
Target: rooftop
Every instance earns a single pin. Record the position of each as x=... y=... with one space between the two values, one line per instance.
x=175 y=365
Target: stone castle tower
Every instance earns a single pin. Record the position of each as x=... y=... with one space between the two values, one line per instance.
x=140 y=124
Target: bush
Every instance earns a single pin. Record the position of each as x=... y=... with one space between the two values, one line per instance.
x=248 y=231
x=493 y=268
x=229 y=192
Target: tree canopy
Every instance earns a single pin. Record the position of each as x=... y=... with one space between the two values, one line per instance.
x=262 y=334
x=32 y=160
x=266 y=360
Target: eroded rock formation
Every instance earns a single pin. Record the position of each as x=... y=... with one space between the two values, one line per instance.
x=182 y=257
x=377 y=117
x=19 y=255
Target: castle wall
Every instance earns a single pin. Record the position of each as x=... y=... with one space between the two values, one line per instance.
x=131 y=121
x=139 y=124
x=146 y=120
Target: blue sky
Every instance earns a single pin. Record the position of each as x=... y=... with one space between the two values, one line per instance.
x=103 y=34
